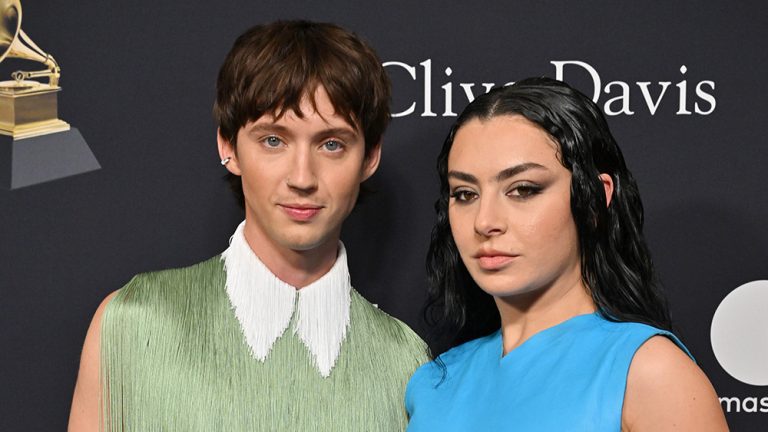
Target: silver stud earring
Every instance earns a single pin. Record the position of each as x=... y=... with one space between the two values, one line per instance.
x=226 y=160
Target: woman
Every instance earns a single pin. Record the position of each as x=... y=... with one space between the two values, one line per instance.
x=551 y=315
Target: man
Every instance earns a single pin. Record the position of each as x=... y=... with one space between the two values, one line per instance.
x=270 y=335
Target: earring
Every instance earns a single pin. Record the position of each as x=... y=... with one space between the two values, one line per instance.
x=226 y=160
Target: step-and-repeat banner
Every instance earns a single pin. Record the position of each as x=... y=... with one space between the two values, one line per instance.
x=683 y=85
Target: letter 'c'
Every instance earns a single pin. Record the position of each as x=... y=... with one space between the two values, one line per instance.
x=412 y=72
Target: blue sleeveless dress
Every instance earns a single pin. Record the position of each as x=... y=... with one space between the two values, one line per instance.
x=569 y=377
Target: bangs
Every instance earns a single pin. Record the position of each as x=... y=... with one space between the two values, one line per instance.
x=272 y=71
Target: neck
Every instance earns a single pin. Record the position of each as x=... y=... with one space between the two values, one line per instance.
x=297 y=268
x=523 y=315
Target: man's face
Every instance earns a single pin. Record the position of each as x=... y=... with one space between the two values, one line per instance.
x=301 y=176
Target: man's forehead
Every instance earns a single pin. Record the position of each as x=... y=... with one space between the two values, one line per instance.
x=291 y=121
x=309 y=111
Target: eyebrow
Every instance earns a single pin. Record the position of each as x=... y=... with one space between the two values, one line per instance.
x=343 y=132
x=501 y=176
x=517 y=169
x=268 y=127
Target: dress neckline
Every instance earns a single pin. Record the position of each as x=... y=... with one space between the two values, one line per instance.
x=266 y=306
x=543 y=336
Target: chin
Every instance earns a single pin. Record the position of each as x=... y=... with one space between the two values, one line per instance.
x=303 y=242
x=504 y=287
x=300 y=245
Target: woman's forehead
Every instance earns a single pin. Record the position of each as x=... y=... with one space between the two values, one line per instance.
x=500 y=141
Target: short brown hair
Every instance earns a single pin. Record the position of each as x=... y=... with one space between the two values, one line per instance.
x=272 y=67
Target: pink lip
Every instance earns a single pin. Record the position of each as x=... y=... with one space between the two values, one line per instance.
x=489 y=259
x=301 y=212
x=494 y=262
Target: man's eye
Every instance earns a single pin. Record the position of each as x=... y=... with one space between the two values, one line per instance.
x=463 y=196
x=272 y=141
x=332 y=145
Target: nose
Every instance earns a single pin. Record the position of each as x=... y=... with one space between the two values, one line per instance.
x=301 y=176
x=489 y=219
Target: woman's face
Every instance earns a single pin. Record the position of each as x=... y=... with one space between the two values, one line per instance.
x=509 y=207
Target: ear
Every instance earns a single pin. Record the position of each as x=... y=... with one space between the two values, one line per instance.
x=371 y=162
x=607 y=181
x=227 y=150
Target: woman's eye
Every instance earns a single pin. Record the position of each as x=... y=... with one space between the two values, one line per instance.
x=332 y=145
x=524 y=191
x=463 y=196
x=272 y=141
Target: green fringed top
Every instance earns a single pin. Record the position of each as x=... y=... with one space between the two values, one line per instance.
x=174 y=358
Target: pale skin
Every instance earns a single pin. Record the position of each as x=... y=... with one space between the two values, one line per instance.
x=301 y=178
x=84 y=415
x=319 y=161
x=511 y=220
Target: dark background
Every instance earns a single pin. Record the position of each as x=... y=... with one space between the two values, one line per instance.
x=138 y=81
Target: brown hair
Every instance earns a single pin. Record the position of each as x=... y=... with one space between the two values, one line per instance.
x=272 y=67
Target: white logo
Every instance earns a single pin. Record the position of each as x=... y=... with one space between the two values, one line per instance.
x=619 y=97
x=739 y=333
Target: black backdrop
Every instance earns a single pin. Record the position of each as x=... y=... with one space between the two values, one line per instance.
x=138 y=81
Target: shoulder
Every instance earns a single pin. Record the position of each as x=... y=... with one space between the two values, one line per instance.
x=84 y=414
x=162 y=296
x=625 y=327
x=93 y=336
x=459 y=357
x=387 y=329
x=666 y=390
x=442 y=374
x=628 y=336
x=198 y=271
x=466 y=351
x=370 y=315
x=160 y=283
x=95 y=327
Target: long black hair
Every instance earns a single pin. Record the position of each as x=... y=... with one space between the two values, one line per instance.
x=615 y=262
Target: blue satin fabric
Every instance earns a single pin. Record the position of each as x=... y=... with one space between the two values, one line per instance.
x=570 y=377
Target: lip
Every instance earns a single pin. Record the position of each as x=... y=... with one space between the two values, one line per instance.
x=491 y=259
x=301 y=212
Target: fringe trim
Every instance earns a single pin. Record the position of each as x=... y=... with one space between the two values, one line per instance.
x=323 y=314
x=264 y=304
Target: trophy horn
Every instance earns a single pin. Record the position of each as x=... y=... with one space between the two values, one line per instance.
x=15 y=43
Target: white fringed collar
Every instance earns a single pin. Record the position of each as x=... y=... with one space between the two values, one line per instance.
x=265 y=304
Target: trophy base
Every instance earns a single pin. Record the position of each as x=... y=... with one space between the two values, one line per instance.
x=30 y=130
x=30 y=161
x=29 y=109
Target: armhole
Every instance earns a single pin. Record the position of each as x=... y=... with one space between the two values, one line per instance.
x=106 y=317
x=642 y=339
x=105 y=409
x=107 y=354
x=408 y=398
x=674 y=339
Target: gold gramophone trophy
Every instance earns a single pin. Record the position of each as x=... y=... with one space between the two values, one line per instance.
x=42 y=146
x=27 y=108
